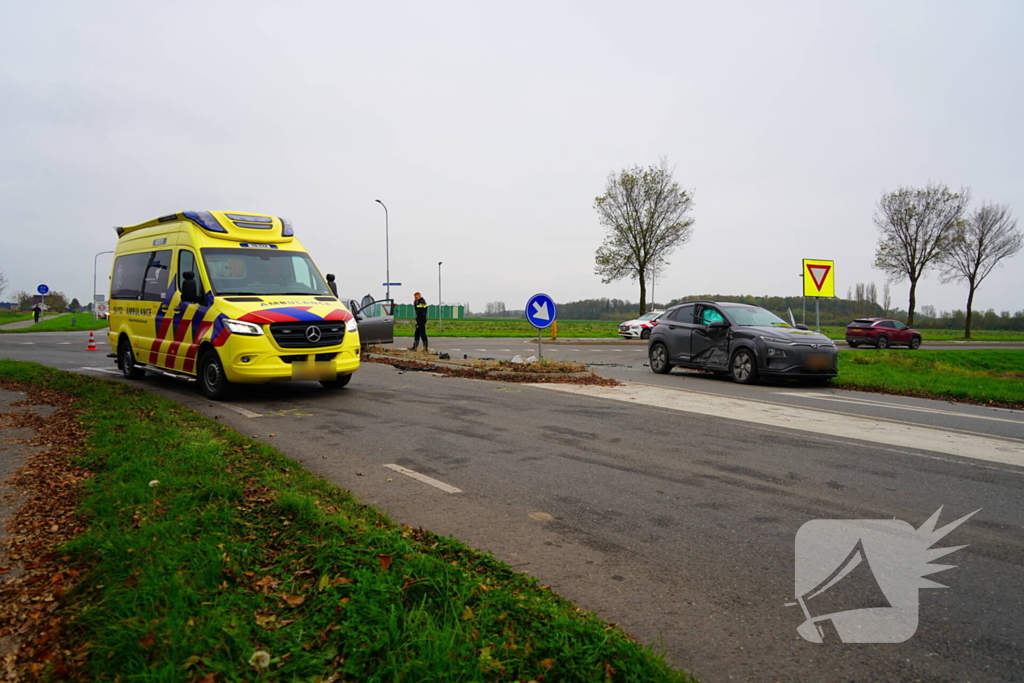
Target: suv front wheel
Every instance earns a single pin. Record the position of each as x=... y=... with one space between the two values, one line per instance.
x=743 y=367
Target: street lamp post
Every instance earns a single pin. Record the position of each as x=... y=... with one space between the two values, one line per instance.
x=440 y=309
x=387 y=249
x=94 y=258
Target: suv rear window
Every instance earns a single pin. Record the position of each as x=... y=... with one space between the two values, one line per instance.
x=861 y=322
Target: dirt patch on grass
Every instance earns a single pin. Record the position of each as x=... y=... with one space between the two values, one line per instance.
x=543 y=372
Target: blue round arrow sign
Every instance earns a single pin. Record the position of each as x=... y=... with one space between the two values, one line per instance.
x=42 y=289
x=540 y=310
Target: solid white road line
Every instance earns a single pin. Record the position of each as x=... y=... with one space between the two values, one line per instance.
x=915 y=437
x=429 y=481
x=241 y=411
x=868 y=402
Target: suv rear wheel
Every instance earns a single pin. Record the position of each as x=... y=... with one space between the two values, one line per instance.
x=883 y=342
x=659 y=359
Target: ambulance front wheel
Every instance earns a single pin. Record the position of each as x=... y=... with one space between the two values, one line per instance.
x=126 y=361
x=339 y=383
x=212 y=381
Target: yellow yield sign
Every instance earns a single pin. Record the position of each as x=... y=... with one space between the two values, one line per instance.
x=819 y=278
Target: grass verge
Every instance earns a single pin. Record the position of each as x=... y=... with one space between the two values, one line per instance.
x=943 y=335
x=200 y=549
x=608 y=329
x=69 y=322
x=986 y=377
x=510 y=327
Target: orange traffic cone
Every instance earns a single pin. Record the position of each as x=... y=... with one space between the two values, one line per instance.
x=92 y=343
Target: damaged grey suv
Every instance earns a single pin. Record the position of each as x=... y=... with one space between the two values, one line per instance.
x=747 y=342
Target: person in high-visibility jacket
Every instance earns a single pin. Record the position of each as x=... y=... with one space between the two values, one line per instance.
x=421 y=321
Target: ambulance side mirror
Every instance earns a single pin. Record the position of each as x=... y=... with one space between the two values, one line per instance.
x=332 y=284
x=189 y=288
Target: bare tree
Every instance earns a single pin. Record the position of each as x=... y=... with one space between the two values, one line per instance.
x=871 y=293
x=988 y=236
x=3 y=282
x=645 y=214
x=915 y=226
x=25 y=300
x=886 y=298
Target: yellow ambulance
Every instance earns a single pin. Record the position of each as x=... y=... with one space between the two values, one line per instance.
x=226 y=298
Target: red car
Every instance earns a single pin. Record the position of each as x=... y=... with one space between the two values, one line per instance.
x=881 y=332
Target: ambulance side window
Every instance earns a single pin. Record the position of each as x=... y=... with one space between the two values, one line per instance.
x=154 y=282
x=186 y=263
x=140 y=277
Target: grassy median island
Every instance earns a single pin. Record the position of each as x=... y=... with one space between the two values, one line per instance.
x=987 y=377
x=206 y=556
x=68 y=322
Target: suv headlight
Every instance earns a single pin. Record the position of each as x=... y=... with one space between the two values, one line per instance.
x=241 y=327
x=351 y=325
x=775 y=340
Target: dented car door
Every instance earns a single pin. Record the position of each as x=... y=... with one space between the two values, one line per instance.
x=709 y=342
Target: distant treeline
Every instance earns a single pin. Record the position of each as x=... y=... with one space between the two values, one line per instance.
x=834 y=312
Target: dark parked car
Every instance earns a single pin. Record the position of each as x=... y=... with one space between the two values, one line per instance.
x=882 y=333
x=747 y=342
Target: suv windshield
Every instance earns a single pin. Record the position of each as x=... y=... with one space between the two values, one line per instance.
x=650 y=316
x=755 y=317
x=263 y=272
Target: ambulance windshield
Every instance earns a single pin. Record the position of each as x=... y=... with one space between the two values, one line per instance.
x=262 y=272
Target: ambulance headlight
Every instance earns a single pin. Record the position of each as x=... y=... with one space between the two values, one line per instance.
x=240 y=327
x=351 y=325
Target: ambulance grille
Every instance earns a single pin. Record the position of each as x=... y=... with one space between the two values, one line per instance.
x=296 y=335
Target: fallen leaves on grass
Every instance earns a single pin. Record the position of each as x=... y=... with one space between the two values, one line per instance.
x=31 y=614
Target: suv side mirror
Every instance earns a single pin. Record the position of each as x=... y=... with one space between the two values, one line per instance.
x=189 y=288
x=801 y=326
x=718 y=325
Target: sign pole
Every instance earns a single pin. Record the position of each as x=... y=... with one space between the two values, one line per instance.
x=541 y=312
x=817 y=313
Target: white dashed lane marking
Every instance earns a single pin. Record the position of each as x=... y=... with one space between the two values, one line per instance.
x=106 y=370
x=241 y=411
x=429 y=481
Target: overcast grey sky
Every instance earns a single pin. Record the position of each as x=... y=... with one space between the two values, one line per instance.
x=489 y=128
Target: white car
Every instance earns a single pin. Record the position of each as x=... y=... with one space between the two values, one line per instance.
x=641 y=327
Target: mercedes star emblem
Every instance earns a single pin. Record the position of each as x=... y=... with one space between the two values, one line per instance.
x=313 y=333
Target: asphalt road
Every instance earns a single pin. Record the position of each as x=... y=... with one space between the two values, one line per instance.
x=669 y=505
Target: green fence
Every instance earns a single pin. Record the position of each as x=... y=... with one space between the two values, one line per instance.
x=408 y=312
